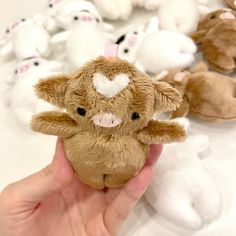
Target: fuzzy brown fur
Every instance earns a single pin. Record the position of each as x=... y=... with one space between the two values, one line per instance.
x=217 y=39
x=231 y=3
x=208 y=95
x=107 y=157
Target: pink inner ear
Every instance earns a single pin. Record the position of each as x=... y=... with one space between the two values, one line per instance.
x=111 y=50
x=227 y=15
x=179 y=76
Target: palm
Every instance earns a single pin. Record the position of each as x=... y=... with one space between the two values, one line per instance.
x=53 y=202
x=77 y=208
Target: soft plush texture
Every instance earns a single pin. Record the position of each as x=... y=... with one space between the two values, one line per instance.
x=153 y=50
x=211 y=96
x=180 y=16
x=22 y=40
x=231 y=3
x=85 y=37
x=64 y=7
x=105 y=144
x=216 y=37
x=121 y=9
x=182 y=190
x=20 y=94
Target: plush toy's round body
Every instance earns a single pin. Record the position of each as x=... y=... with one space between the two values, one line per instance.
x=105 y=160
x=180 y=16
x=207 y=95
x=153 y=50
x=85 y=38
x=26 y=39
x=22 y=99
x=216 y=36
x=108 y=126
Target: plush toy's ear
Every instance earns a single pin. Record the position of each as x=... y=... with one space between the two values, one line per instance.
x=166 y=97
x=53 y=90
x=200 y=67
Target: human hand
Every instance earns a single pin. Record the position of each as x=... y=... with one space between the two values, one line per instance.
x=53 y=202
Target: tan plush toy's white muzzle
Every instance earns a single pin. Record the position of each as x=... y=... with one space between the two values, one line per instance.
x=106 y=120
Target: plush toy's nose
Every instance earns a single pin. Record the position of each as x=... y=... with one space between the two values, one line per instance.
x=106 y=120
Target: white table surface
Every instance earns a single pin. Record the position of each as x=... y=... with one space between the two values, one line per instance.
x=21 y=154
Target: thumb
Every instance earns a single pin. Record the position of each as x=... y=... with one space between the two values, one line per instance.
x=29 y=192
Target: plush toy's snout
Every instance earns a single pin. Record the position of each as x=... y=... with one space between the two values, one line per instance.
x=106 y=120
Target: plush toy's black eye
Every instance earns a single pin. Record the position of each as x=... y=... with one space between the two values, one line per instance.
x=97 y=20
x=135 y=32
x=7 y=31
x=16 y=72
x=81 y=111
x=135 y=116
x=126 y=50
x=76 y=18
x=23 y=19
x=212 y=17
x=50 y=5
x=36 y=63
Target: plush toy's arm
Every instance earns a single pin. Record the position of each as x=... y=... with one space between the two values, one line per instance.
x=183 y=109
x=54 y=123
x=60 y=37
x=108 y=27
x=153 y=26
x=198 y=36
x=161 y=132
x=6 y=50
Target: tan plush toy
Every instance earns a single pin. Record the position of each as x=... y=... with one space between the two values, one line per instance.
x=231 y=3
x=108 y=126
x=207 y=95
x=216 y=36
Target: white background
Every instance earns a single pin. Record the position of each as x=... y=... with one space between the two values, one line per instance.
x=21 y=153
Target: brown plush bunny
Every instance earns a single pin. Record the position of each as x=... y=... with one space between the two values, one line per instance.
x=231 y=3
x=216 y=36
x=208 y=95
x=108 y=126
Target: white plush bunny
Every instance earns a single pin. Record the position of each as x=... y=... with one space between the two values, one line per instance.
x=22 y=99
x=85 y=37
x=121 y=9
x=181 y=16
x=58 y=7
x=154 y=50
x=183 y=191
x=26 y=38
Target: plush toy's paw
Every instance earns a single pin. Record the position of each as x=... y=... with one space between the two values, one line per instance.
x=115 y=9
x=188 y=198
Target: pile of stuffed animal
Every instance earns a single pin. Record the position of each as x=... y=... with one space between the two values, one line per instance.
x=158 y=70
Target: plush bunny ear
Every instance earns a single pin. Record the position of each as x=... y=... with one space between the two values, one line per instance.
x=166 y=97
x=53 y=90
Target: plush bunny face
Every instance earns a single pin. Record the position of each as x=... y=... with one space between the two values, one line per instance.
x=176 y=78
x=109 y=96
x=36 y=67
x=129 y=44
x=216 y=17
x=17 y=25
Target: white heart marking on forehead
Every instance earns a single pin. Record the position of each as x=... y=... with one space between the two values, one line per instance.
x=110 y=88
